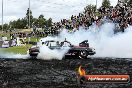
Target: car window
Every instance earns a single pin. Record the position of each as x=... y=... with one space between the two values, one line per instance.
x=52 y=44
x=66 y=44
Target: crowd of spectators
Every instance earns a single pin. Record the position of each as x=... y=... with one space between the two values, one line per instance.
x=28 y=34
x=121 y=15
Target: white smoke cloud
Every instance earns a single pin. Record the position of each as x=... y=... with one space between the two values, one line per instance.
x=47 y=54
x=117 y=45
x=13 y=56
x=103 y=39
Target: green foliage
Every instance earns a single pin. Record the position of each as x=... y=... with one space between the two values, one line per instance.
x=23 y=22
x=20 y=49
x=129 y=1
x=106 y=3
x=5 y=26
x=17 y=49
x=0 y=27
x=90 y=8
x=31 y=17
x=49 y=22
x=41 y=21
x=19 y=24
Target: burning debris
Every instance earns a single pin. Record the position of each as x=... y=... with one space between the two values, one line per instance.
x=81 y=71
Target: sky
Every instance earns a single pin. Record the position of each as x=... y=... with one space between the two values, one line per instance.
x=56 y=9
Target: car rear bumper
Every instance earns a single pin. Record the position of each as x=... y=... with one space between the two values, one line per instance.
x=91 y=53
x=33 y=53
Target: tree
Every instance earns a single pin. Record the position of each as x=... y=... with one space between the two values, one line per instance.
x=5 y=27
x=31 y=17
x=13 y=24
x=49 y=22
x=90 y=8
x=106 y=3
x=0 y=27
x=128 y=2
x=19 y=24
x=23 y=22
x=41 y=21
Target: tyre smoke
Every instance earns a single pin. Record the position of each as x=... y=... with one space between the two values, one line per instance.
x=13 y=56
x=47 y=54
x=103 y=39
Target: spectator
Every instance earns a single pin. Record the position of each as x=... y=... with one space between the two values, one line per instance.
x=121 y=15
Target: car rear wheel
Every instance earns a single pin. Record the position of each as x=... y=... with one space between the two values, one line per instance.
x=82 y=54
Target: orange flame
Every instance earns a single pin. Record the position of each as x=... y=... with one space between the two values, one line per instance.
x=81 y=71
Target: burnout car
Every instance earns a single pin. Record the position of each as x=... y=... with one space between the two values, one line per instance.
x=81 y=51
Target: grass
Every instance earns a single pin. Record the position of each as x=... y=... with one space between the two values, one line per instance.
x=17 y=49
x=5 y=35
x=34 y=39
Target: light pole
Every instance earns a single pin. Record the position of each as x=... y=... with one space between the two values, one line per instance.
x=2 y=16
x=29 y=16
x=96 y=5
